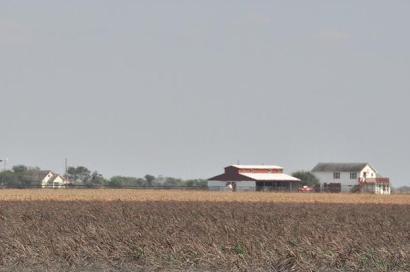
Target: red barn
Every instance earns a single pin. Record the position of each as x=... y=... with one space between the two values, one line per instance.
x=253 y=178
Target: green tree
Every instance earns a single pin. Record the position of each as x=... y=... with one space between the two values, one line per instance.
x=115 y=182
x=71 y=173
x=20 y=169
x=196 y=183
x=189 y=183
x=8 y=179
x=23 y=176
x=173 y=182
x=79 y=173
x=120 y=181
x=150 y=179
x=95 y=179
x=307 y=178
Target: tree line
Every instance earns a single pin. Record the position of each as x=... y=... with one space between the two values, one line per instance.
x=22 y=176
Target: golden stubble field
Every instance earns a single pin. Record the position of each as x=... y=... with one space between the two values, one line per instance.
x=175 y=195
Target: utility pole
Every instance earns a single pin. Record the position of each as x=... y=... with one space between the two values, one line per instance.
x=4 y=164
x=66 y=167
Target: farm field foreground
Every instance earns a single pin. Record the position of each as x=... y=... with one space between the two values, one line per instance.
x=129 y=230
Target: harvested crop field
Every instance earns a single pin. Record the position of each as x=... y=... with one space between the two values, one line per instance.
x=123 y=230
x=174 y=195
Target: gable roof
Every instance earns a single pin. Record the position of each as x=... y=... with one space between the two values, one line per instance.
x=243 y=166
x=53 y=178
x=39 y=175
x=270 y=177
x=340 y=167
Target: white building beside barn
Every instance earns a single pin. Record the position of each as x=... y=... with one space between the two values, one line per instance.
x=253 y=178
x=351 y=177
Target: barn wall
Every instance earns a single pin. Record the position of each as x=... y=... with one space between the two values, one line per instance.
x=214 y=185
x=246 y=185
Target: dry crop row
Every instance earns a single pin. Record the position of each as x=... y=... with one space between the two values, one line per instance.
x=202 y=236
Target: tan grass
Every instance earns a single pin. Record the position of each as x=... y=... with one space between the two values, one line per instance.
x=203 y=196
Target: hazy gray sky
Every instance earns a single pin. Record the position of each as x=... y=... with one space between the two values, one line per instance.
x=184 y=88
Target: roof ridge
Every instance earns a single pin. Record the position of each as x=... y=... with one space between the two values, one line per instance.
x=256 y=166
x=340 y=166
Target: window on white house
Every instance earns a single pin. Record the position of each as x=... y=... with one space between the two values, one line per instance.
x=353 y=175
x=336 y=175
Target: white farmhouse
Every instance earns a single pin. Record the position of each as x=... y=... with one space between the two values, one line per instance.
x=351 y=177
x=52 y=180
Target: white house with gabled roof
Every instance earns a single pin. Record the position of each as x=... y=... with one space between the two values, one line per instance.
x=351 y=177
x=52 y=180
